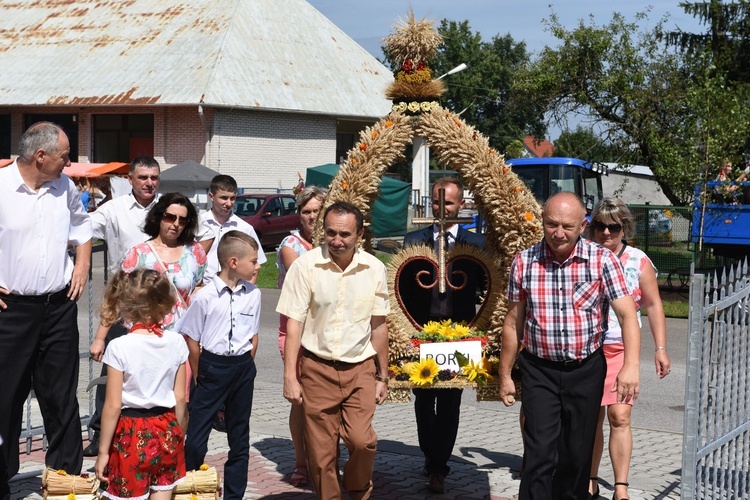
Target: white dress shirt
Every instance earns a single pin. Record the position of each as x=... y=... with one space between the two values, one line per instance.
x=35 y=229
x=208 y=220
x=119 y=222
x=223 y=321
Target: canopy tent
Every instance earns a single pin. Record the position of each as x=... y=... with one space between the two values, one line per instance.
x=390 y=210
x=88 y=169
x=96 y=169
x=189 y=178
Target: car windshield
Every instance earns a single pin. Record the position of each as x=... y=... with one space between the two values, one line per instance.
x=249 y=205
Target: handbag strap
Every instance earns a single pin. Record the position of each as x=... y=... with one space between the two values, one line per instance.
x=166 y=271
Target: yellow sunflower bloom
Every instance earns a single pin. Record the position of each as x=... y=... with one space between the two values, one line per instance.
x=424 y=372
x=475 y=371
x=431 y=328
x=461 y=330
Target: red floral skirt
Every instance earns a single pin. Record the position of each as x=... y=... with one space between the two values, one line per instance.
x=147 y=453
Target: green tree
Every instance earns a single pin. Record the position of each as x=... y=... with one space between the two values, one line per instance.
x=583 y=143
x=726 y=40
x=674 y=112
x=483 y=92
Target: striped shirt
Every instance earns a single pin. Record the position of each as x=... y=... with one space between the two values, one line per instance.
x=567 y=304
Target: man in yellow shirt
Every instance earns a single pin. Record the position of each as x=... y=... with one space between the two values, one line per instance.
x=336 y=352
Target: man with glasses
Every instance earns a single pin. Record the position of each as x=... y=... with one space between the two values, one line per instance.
x=119 y=223
x=40 y=215
x=559 y=294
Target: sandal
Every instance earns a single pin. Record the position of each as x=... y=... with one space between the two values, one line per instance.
x=299 y=476
x=595 y=495
x=621 y=484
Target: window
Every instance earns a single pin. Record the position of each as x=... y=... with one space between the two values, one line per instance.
x=122 y=137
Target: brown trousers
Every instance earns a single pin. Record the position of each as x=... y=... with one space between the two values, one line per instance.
x=339 y=402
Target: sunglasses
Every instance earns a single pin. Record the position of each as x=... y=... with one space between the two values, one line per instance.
x=172 y=218
x=613 y=228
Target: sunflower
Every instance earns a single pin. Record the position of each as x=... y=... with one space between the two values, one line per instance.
x=431 y=328
x=423 y=372
x=461 y=330
x=476 y=371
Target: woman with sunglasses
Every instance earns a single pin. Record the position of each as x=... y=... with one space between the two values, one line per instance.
x=171 y=223
x=611 y=224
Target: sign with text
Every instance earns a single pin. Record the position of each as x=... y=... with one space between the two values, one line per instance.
x=444 y=353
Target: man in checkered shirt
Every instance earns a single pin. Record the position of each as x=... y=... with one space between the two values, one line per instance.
x=559 y=294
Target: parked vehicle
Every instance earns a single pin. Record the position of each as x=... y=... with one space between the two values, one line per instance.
x=547 y=176
x=272 y=216
x=722 y=222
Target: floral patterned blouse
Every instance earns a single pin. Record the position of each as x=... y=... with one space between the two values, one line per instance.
x=633 y=261
x=296 y=243
x=186 y=273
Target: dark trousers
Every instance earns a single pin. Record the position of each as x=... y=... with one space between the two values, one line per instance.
x=561 y=404
x=228 y=381
x=39 y=347
x=437 y=412
x=95 y=423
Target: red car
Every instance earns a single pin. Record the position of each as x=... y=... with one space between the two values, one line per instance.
x=272 y=216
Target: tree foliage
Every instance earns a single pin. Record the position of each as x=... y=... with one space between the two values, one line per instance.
x=726 y=40
x=484 y=90
x=672 y=111
x=585 y=144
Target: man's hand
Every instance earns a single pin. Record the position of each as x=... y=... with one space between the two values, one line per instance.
x=78 y=282
x=507 y=390
x=627 y=386
x=381 y=392
x=96 y=351
x=3 y=305
x=293 y=391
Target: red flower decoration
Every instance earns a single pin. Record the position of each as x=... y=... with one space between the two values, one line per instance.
x=420 y=66
x=408 y=66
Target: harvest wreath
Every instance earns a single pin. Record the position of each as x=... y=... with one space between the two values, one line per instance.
x=512 y=215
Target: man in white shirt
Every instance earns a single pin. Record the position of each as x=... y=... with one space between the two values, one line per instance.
x=40 y=215
x=220 y=219
x=119 y=223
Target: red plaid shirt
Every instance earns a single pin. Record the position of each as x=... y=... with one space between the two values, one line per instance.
x=567 y=304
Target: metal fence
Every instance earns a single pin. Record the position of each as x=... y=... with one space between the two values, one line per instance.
x=32 y=423
x=716 y=436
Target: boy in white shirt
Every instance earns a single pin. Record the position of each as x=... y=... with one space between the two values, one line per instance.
x=223 y=319
x=221 y=219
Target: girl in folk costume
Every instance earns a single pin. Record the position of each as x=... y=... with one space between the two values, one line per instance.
x=141 y=449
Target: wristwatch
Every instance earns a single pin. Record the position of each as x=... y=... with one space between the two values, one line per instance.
x=382 y=379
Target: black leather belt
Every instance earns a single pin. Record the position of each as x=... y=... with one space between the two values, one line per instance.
x=568 y=364
x=46 y=298
x=331 y=362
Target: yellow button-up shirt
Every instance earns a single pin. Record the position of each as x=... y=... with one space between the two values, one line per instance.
x=335 y=305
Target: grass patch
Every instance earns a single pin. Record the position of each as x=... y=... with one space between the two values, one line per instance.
x=675 y=309
x=268 y=273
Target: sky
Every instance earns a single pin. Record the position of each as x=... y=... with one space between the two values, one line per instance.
x=369 y=21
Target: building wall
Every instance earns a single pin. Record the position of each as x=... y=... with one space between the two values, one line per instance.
x=261 y=149
x=265 y=150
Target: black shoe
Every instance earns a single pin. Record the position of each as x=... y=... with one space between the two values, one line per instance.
x=92 y=449
x=436 y=484
x=219 y=424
